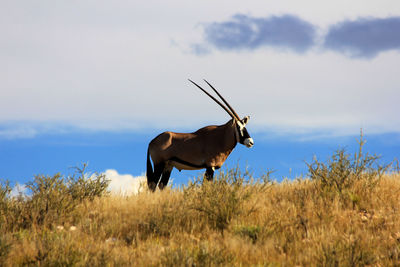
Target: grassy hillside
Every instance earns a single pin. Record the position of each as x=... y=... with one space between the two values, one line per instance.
x=345 y=214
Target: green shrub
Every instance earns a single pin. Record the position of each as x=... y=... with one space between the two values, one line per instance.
x=51 y=199
x=82 y=187
x=343 y=170
x=223 y=199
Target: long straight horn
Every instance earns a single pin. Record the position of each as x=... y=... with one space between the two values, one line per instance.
x=213 y=98
x=226 y=102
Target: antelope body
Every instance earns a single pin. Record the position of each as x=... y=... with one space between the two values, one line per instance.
x=207 y=148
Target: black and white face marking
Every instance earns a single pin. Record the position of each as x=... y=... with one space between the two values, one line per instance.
x=244 y=137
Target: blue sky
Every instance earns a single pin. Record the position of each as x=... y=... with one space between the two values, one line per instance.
x=95 y=81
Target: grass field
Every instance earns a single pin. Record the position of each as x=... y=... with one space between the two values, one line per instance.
x=346 y=213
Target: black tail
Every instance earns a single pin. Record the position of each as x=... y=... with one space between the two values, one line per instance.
x=150 y=174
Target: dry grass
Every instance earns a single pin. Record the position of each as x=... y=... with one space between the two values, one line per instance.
x=233 y=221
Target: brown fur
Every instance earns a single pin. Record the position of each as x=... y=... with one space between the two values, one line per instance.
x=208 y=147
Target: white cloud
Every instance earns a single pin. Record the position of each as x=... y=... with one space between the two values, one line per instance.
x=111 y=65
x=125 y=184
x=18 y=190
x=17 y=131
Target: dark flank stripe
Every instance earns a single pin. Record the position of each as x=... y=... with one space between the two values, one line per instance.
x=188 y=163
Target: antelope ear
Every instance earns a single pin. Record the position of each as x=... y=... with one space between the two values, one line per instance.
x=245 y=120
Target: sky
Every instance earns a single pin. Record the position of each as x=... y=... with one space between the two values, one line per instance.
x=95 y=81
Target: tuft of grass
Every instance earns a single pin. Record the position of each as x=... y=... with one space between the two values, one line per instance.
x=5 y=248
x=250 y=231
x=195 y=256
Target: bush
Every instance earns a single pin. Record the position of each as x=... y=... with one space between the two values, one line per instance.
x=82 y=187
x=55 y=197
x=52 y=199
x=343 y=170
x=222 y=200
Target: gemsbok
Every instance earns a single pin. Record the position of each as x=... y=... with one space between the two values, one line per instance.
x=207 y=148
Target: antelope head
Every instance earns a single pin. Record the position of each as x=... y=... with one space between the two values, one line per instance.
x=242 y=135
